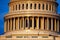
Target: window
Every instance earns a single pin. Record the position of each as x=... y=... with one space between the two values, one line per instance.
x=19 y=6
x=43 y=6
x=21 y=22
x=38 y=6
x=19 y=36
x=45 y=23
x=22 y=6
x=8 y=36
x=26 y=23
x=26 y=6
x=34 y=36
x=45 y=36
x=16 y=7
x=30 y=23
x=30 y=6
x=34 y=6
x=12 y=23
x=46 y=6
x=49 y=7
x=35 y=23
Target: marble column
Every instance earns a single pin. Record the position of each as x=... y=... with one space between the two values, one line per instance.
x=45 y=6
x=58 y=25
x=37 y=23
x=28 y=22
x=48 y=6
x=51 y=24
x=18 y=23
x=32 y=23
x=51 y=8
x=14 y=24
x=55 y=25
x=23 y=23
x=8 y=24
x=42 y=24
x=47 y=23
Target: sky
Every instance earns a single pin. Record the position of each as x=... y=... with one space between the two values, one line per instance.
x=4 y=9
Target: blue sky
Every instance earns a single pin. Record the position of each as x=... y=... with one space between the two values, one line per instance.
x=4 y=10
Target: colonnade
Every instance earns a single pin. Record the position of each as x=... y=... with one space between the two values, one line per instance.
x=22 y=23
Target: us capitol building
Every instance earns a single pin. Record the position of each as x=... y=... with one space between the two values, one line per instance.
x=32 y=20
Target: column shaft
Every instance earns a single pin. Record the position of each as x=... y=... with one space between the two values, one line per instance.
x=33 y=23
x=48 y=6
x=23 y=23
x=8 y=24
x=37 y=23
x=42 y=24
x=14 y=24
x=55 y=25
x=18 y=23
x=28 y=22
x=47 y=23
x=51 y=24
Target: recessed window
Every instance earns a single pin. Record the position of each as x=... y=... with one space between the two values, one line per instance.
x=38 y=6
x=19 y=6
x=22 y=6
x=16 y=7
x=30 y=23
x=8 y=36
x=34 y=6
x=26 y=23
x=34 y=36
x=49 y=7
x=26 y=6
x=12 y=23
x=30 y=6
x=45 y=36
x=35 y=23
x=43 y=6
x=19 y=36
x=46 y=6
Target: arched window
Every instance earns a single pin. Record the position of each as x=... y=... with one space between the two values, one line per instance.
x=26 y=6
x=46 y=6
x=30 y=6
x=43 y=6
x=19 y=6
x=16 y=7
x=38 y=6
x=34 y=6
x=22 y=6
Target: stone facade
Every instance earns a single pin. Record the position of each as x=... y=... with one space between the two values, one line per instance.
x=32 y=20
